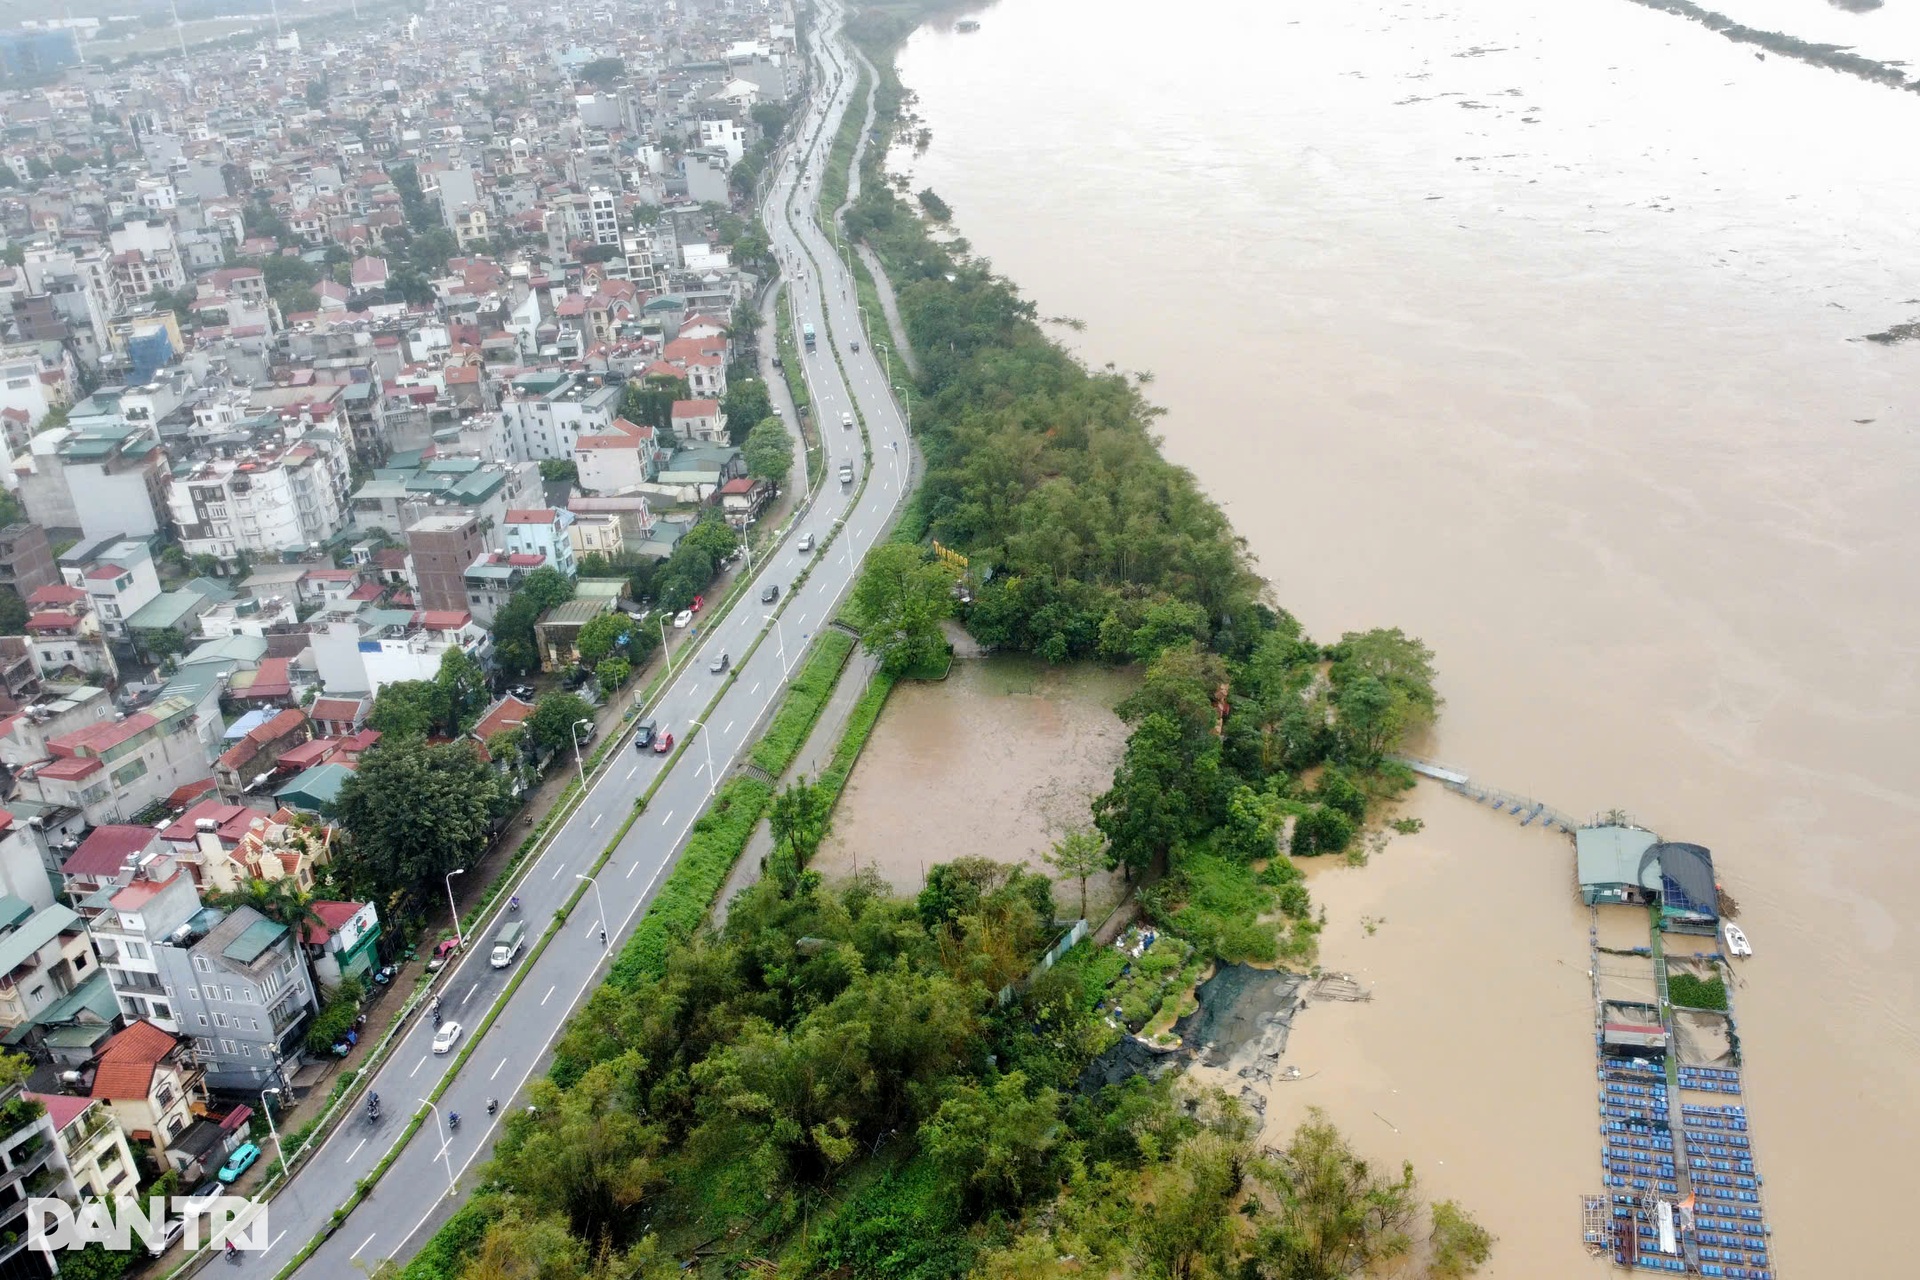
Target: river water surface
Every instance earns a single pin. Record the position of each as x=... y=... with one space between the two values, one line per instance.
x=1536 y=329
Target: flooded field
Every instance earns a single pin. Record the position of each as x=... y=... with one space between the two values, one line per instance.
x=996 y=761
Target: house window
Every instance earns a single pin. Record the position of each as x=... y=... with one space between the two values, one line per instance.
x=134 y=950
x=246 y=1051
x=202 y=964
x=164 y=1095
x=219 y=1019
x=204 y=1045
x=226 y=1047
x=227 y=994
x=161 y=1009
x=253 y=1023
x=210 y=992
x=175 y=1125
x=246 y=995
x=202 y=1017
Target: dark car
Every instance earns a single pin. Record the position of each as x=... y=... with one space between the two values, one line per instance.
x=771 y=594
x=643 y=736
x=524 y=692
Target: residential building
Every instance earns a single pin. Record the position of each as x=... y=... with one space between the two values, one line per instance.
x=26 y=559
x=377 y=647
x=542 y=531
x=441 y=547
x=242 y=991
x=699 y=422
x=131 y=893
x=286 y=490
x=118 y=576
x=150 y=1081
x=544 y=414
x=226 y=846
x=557 y=634
x=93 y=1145
x=411 y=488
x=345 y=943
x=115 y=769
x=103 y=476
x=619 y=459
x=66 y=638
x=45 y=954
x=31 y=1166
x=742 y=498
x=264 y=737
x=491 y=580
x=60 y=710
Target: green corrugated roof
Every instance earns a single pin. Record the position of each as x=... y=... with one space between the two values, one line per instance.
x=477 y=487
x=168 y=609
x=254 y=941
x=46 y=925
x=317 y=788
x=452 y=465
x=13 y=910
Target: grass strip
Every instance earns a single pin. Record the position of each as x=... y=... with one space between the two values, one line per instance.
x=806 y=697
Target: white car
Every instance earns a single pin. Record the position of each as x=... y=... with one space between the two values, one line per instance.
x=682 y=618
x=447 y=1036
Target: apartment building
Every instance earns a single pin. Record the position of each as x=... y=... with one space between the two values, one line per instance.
x=542 y=531
x=26 y=559
x=114 y=769
x=441 y=547
x=66 y=638
x=242 y=991
x=284 y=490
x=30 y=1166
x=544 y=414
x=118 y=576
x=92 y=1143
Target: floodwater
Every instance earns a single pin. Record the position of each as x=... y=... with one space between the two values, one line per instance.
x=1536 y=329
x=996 y=761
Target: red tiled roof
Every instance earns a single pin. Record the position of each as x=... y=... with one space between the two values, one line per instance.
x=530 y=515
x=508 y=713
x=62 y=1108
x=51 y=621
x=230 y=822
x=444 y=619
x=695 y=408
x=364 y=592
x=104 y=572
x=333 y=917
x=186 y=793
x=271 y=680
x=739 y=484
x=348 y=709
x=57 y=593
x=128 y=1060
x=106 y=850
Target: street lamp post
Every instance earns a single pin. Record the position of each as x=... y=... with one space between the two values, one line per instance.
x=598 y=902
x=446 y=1146
x=274 y=1129
x=664 y=647
x=780 y=634
x=712 y=779
x=906 y=398
x=578 y=764
x=458 y=937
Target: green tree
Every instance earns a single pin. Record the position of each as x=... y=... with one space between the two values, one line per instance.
x=1079 y=854
x=1147 y=811
x=547 y=587
x=1187 y=1227
x=1335 y=1215
x=411 y=708
x=1248 y=833
x=603 y=71
x=414 y=812
x=899 y=603
x=999 y=1145
x=603 y=636
x=553 y=719
x=1321 y=830
x=1372 y=718
x=797 y=820
x=463 y=682
x=559 y=469
x=611 y=674
x=95 y=1263
x=747 y=404
x=769 y=451
x=1181 y=684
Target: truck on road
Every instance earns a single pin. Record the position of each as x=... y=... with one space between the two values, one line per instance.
x=806 y=331
x=507 y=943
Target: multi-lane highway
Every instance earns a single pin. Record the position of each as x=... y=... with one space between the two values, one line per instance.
x=414 y=1194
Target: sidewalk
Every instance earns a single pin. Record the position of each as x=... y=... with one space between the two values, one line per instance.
x=814 y=756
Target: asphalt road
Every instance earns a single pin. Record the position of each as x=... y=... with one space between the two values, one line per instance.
x=425 y=1182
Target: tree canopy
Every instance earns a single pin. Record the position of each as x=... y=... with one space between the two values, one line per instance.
x=899 y=602
x=414 y=812
x=769 y=451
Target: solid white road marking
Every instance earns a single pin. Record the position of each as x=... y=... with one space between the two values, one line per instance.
x=669 y=818
x=548 y=996
x=631 y=772
x=729 y=729
x=356 y=1150
x=416 y=1068
x=496 y=1070
x=556 y=873
x=595 y=822
x=470 y=990
x=363 y=1244
x=630 y=870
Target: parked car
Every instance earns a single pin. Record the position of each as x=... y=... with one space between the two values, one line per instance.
x=769 y=595
x=238 y=1163
x=700 y=602
x=643 y=736
x=524 y=692
x=720 y=663
x=448 y=1035
x=663 y=744
x=440 y=953
x=170 y=1236
x=806 y=542
x=682 y=618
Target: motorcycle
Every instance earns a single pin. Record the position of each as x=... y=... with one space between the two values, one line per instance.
x=453 y=1121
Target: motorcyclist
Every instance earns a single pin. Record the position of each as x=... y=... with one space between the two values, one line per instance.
x=493 y=1105
x=453 y=1119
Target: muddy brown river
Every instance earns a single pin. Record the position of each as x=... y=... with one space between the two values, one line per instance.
x=1537 y=331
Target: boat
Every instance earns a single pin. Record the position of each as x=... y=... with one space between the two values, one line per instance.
x=966 y=24
x=1736 y=937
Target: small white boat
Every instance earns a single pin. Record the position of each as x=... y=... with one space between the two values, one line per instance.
x=1737 y=944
